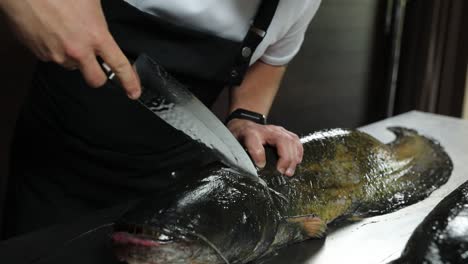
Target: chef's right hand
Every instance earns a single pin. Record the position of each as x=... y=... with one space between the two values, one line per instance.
x=72 y=34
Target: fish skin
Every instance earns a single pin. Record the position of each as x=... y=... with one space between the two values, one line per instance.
x=442 y=237
x=221 y=216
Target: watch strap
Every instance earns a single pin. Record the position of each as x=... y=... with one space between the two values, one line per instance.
x=247 y=115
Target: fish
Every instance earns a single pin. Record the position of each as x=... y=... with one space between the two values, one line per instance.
x=221 y=216
x=442 y=237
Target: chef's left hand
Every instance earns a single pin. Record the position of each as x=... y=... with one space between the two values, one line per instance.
x=253 y=136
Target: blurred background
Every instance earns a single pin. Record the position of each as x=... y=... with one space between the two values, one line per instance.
x=365 y=60
x=362 y=61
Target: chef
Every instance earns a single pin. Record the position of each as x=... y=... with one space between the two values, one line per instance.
x=78 y=149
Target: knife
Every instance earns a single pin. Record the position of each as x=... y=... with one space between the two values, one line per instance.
x=171 y=101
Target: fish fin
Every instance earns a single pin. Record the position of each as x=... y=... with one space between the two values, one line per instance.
x=310 y=225
x=403 y=131
x=356 y=218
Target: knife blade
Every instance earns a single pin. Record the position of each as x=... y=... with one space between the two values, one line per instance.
x=171 y=101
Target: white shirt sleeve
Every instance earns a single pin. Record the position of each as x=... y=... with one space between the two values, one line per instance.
x=283 y=51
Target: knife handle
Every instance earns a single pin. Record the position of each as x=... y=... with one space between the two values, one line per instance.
x=111 y=77
x=271 y=156
x=107 y=70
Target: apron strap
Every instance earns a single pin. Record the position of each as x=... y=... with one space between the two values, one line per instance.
x=264 y=16
x=254 y=37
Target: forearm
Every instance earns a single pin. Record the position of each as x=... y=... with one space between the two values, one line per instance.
x=258 y=89
x=257 y=93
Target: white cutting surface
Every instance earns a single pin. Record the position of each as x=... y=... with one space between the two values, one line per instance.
x=382 y=239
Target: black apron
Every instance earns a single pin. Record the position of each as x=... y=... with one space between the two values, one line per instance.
x=78 y=149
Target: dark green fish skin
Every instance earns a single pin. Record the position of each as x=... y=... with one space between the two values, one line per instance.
x=224 y=217
x=442 y=237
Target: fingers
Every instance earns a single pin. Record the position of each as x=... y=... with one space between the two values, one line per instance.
x=71 y=34
x=114 y=57
x=287 y=153
x=83 y=58
x=298 y=144
x=92 y=72
x=70 y=65
x=255 y=148
x=290 y=150
x=253 y=136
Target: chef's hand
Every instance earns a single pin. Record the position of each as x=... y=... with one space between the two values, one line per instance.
x=253 y=136
x=72 y=34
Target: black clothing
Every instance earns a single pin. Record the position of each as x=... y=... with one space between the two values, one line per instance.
x=78 y=149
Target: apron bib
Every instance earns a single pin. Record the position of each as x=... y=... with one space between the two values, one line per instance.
x=78 y=149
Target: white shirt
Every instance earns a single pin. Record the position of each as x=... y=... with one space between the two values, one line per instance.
x=231 y=19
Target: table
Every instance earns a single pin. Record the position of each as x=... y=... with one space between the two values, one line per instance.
x=381 y=239
x=373 y=240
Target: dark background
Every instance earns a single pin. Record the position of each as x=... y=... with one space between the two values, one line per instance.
x=327 y=85
x=15 y=72
x=362 y=60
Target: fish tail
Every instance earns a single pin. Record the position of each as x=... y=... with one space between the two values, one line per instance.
x=425 y=154
x=419 y=166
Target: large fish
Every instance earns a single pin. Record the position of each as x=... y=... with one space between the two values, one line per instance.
x=443 y=235
x=222 y=216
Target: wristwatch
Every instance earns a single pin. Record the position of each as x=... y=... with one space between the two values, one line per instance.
x=248 y=115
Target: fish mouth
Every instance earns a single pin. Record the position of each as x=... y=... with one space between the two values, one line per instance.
x=141 y=244
x=125 y=238
x=139 y=234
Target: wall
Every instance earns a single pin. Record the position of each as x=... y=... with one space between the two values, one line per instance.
x=465 y=103
x=327 y=84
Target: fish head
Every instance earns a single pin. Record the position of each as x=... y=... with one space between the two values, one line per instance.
x=217 y=219
x=156 y=232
